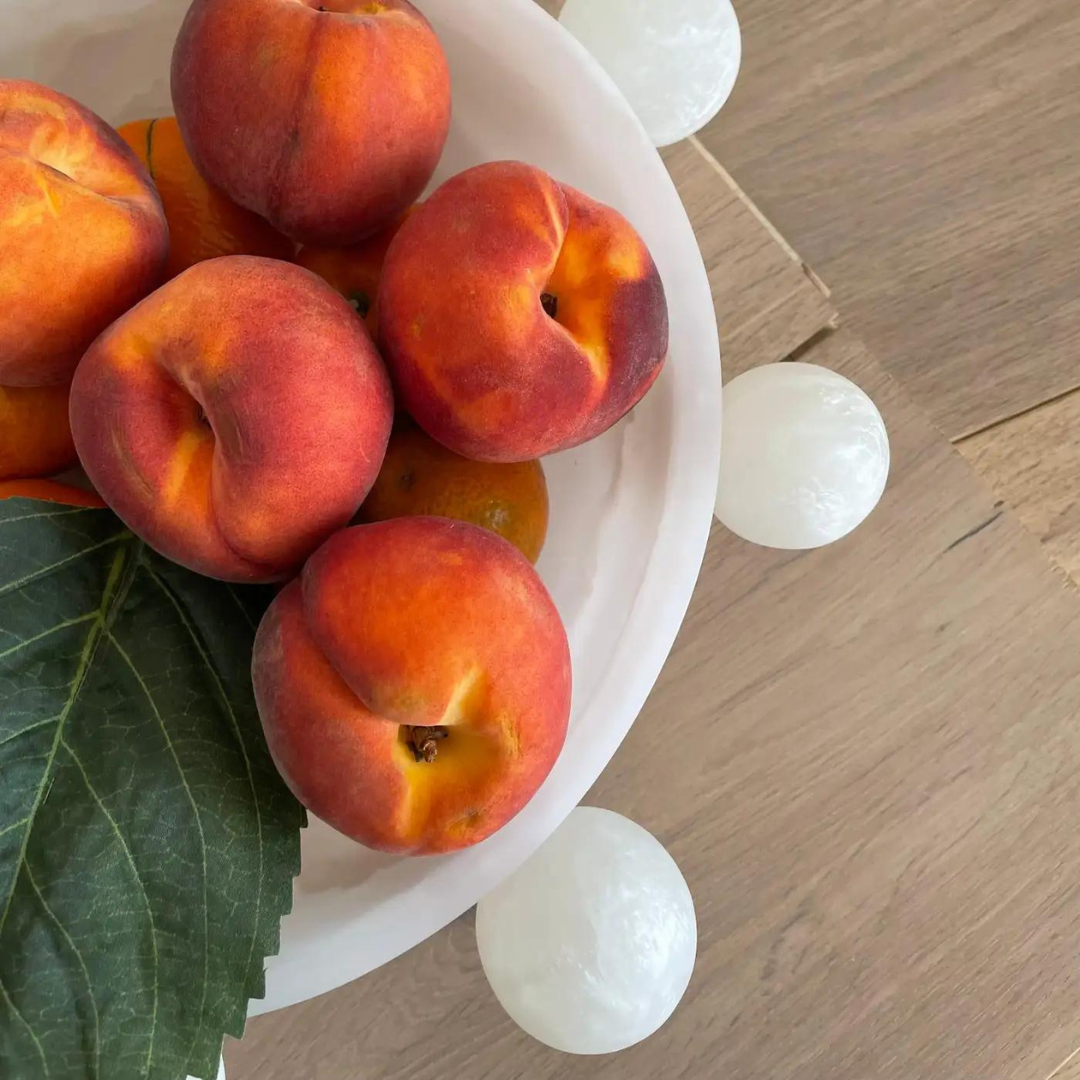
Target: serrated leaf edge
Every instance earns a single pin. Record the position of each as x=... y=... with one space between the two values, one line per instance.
x=113 y=593
x=255 y=980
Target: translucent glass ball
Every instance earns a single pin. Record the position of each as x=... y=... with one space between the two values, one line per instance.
x=590 y=945
x=675 y=61
x=805 y=456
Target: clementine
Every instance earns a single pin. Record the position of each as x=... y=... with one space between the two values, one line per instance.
x=203 y=222
x=354 y=270
x=419 y=477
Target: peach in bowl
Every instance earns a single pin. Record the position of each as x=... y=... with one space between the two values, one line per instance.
x=630 y=511
x=235 y=418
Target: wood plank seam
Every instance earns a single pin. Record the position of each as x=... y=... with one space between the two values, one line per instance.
x=771 y=229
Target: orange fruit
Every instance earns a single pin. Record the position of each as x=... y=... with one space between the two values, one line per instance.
x=203 y=222
x=35 y=436
x=355 y=270
x=50 y=491
x=420 y=477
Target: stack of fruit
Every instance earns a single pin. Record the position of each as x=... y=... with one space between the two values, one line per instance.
x=413 y=675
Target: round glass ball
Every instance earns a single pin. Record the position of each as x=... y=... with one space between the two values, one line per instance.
x=675 y=62
x=590 y=945
x=804 y=459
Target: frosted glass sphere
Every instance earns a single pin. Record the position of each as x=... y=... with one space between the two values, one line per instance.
x=805 y=456
x=675 y=60
x=590 y=945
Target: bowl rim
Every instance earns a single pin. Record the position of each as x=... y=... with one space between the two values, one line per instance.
x=657 y=613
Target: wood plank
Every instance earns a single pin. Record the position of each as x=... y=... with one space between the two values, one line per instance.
x=1069 y=1069
x=768 y=304
x=922 y=157
x=864 y=759
x=1033 y=462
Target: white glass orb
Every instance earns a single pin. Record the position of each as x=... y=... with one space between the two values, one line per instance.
x=805 y=456
x=590 y=945
x=674 y=60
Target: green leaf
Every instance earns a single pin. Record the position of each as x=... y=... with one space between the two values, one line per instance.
x=147 y=844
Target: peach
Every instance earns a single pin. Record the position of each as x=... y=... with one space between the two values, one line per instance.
x=82 y=233
x=518 y=316
x=35 y=437
x=235 y=418
x=327 y=117
x=355 y=271
x=414 y=684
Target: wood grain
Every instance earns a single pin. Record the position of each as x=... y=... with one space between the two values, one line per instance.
x=922 y=157
x=1033 y=463
x=865 y=760
x=864 y=757
x=768 y=303
x=1069 y=1069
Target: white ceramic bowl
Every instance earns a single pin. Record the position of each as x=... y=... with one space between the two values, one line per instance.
x=630 y=512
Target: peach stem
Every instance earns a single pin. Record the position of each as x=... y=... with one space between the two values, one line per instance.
x=425 y=742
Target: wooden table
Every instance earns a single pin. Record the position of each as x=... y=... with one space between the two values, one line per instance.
x=862 y=758
x=923 y=157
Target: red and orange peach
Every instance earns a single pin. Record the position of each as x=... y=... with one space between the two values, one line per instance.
x=551 y=326
x=414 y=684
x=327 y=117
x=235 y=418
x=82 y=233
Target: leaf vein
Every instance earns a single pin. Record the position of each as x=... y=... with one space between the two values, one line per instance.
x=54 y=514
x=45 y=571
x=198 y=821
x=243 y=610
x=26 y=731
x=181 y=612
x=14 y=825
x=30 y=1031
x=82 y=964
x=142 y=887
x=48 y=633
x=92 y=638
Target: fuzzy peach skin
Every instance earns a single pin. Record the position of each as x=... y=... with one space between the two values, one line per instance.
x=517 y=316
x=327 y=117
x=235 y=418
x=414 y=684
x=82 y=233
x=35 y=437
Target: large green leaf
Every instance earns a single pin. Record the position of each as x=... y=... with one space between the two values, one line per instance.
x=147 y=845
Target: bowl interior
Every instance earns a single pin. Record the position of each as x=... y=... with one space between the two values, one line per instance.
x=630 y=511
